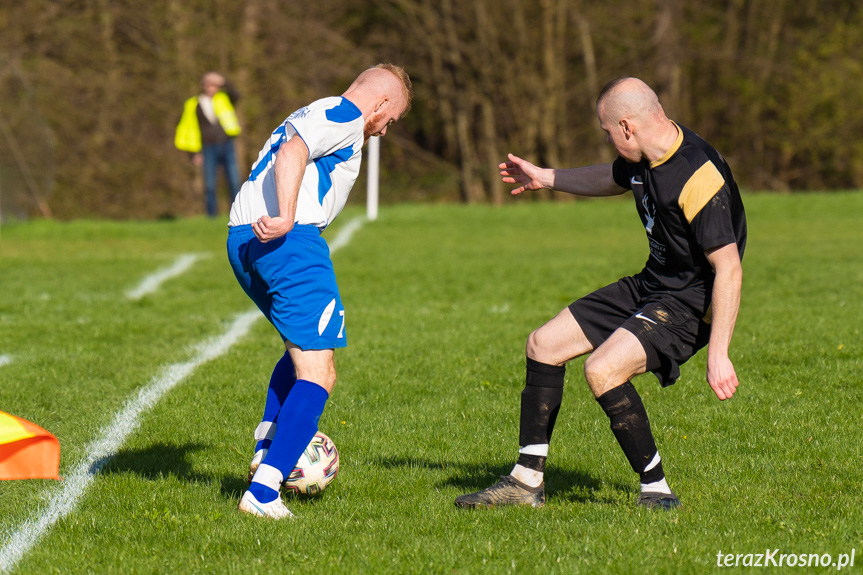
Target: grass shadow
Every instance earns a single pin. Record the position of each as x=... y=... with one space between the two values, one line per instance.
x=170 y=460
x=233 y=486
x=155 y=462
x=570 y=485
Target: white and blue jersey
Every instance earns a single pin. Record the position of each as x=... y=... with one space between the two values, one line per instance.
x=291 y=279
x=332 y=129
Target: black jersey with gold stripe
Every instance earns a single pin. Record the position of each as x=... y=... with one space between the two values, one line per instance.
x=689 y=203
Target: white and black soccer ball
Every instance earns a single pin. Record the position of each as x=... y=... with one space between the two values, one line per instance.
x=316 y=468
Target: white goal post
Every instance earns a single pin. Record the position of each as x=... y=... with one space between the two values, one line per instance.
x=373 y=165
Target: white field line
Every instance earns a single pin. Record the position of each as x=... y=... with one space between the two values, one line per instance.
x=125 y=423
x=112 y=438
x=152 y=282
x=345 y=234
x=5 y=360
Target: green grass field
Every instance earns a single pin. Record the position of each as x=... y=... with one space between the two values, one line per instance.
x=439 y=302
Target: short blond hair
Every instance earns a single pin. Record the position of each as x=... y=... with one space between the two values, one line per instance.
x=400 y=73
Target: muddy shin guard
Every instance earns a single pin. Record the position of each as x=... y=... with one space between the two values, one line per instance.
x=540 y=403
x=631 y=427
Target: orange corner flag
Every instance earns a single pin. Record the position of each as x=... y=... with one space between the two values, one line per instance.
x=26 y=450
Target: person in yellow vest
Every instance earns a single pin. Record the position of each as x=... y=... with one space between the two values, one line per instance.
x=207 y=129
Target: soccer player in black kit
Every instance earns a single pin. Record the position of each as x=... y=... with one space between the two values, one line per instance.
x=687 y=296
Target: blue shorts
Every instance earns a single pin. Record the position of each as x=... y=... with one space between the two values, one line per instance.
x=291 y=280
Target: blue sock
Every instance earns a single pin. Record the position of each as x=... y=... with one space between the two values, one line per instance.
x=263 y=493
x=281 y=382
x=299 y=422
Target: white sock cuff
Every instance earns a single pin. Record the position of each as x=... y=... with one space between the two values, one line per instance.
x=269 y=476
x=259 y=456
x=265 y=430
x=653 y=462
x=660 y=486
x=540 y=449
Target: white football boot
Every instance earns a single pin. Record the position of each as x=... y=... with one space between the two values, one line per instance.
x=275 y=509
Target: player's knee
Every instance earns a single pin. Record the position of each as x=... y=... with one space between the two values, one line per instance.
x=597 y=372
x=323 y=375
x=327 y=378
x=529 y=345
x=534 y=348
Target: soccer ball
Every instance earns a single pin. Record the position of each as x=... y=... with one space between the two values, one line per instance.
x=316 y=468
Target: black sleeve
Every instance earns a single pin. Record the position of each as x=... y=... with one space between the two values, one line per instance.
x=621 y=170
x=713 y=226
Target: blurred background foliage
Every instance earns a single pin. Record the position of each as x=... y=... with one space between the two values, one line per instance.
x=91 y=90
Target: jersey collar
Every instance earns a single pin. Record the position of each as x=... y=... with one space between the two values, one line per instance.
x=671 y=150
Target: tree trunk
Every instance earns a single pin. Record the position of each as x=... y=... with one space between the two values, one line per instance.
x=489 y=130
x=487 y=54
x=763 y=40
x=463 y=101
x=668 y=47
x=553 y=81
x=111 y=80
x=184 y=47
x=242 y=79
x=592 y=78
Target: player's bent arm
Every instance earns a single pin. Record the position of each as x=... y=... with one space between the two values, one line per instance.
x=587 y=181
x=725 y=304
x=288 y=170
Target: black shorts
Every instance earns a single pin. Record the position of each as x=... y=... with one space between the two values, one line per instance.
x=668 y=329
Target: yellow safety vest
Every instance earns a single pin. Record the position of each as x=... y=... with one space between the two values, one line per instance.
x=188 y=135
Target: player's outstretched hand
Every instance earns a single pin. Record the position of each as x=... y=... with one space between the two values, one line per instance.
x=268 y=228
x=722 y=377
x=519 y=171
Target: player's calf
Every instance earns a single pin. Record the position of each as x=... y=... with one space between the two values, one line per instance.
x=631 y=428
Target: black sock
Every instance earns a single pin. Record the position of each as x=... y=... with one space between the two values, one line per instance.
x=535 y=462
x=540 y=403
x=632 y=429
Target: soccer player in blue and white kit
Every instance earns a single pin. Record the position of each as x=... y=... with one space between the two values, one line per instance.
x=298 y=185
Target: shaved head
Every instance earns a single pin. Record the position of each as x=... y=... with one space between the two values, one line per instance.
x=629 y=98
x=633 y=119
